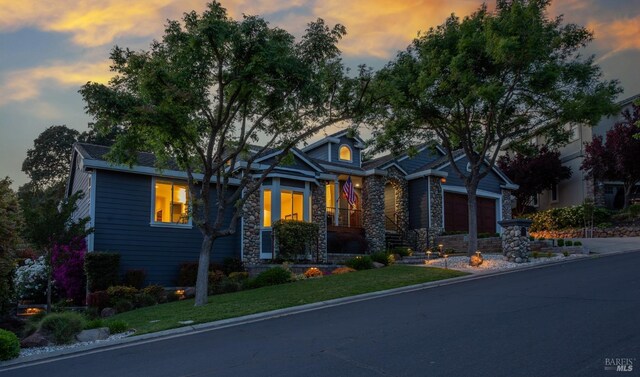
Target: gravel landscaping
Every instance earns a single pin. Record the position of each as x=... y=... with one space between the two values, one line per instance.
x=39 y=350
x=492 y=262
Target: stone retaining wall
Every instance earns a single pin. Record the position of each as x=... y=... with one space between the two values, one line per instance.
x=338 y=258
x=460 y=243
x=621 y=231
x=295 y=268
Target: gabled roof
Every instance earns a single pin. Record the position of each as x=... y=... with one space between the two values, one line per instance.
x=627 y=101
x=334 y=138
x=296 y=152
x=98 y=152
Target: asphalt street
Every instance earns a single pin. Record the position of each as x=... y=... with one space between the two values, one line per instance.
x=563 y=320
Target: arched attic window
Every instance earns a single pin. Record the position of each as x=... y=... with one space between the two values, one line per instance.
x=344 y=153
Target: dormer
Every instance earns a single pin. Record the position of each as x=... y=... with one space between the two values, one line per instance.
x=339 y=148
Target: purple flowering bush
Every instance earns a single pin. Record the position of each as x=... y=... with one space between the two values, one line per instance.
x=68 y=269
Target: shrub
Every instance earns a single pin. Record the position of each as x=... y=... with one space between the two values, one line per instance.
x=9 y=345
x=142 y=299
x=68 y=269
x=567 y=217
x=403 y=251
x=134 y=278
x=31 y=279
x=384 y=258
x=568 y=243
x=535 y=255
x=63 y=327
x=231 y=265
x=123 y=305
x=239 y=276
x=549 y=254
x=342 y=270
x=532 y=238
x=101 y=270
x=541 y=239
x=94 y=324
x=172 y=296
x=273 y=276
x=157 y=292
x=296 y=239
x=313 y=272
x=363 y=262
x=188 y=273
x=560 y=242
x=117 y=326
x=577 y=243
x=565 y=253
x=98 y=299
x=227 y=285
x=121 y=292
x=634 y=210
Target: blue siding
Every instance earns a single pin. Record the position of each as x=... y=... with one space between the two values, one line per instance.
x=122 y=224
x=320 y=152
x=424 y=157
x=355 y=152
x=418 y=204
x=490 y=183
x=297 y=164
x=81 y=182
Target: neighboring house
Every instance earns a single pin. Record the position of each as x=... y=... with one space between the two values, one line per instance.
x=142 y=212
x=576 y=189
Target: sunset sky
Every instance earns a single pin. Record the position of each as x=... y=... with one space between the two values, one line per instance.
x=48 y=49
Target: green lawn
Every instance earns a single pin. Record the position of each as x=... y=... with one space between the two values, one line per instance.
x=167 y=316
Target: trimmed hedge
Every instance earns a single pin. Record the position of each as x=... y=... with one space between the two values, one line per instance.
x=360 y=263
x=296 y=239
x=101 y=270
x=9 y=345
x=567 y=217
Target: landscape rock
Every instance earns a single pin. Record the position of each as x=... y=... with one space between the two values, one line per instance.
x=377 y=265
x=190 y=292
x=37 y=339
x=91 y=335
x=108 y=312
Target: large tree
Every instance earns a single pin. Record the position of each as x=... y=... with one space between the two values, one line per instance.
x=47 y=163
x=616 y=159
x=520 y=168
x=492 y=77
x=212 y=86
x=10 y=224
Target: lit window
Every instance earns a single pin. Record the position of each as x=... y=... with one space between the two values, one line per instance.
x=171 y=203
x=330 y=194
x=291 y=205
x=345 y=153
x=266 y=208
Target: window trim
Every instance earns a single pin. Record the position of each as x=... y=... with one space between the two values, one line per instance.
x=350 y=153
x=552 y=200
x=152 y=220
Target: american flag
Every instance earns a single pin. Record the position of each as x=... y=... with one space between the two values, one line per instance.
x=349 y=192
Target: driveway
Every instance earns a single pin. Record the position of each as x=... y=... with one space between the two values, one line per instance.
x=609 y=245
x=563 y=320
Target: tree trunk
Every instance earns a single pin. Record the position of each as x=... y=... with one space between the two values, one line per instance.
x=628 y=188
x=473 y=218
x=202 y=281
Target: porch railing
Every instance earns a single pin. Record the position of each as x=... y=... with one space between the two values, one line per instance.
x=346 y=217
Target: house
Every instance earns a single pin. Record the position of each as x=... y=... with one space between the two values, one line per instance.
x=142 y=212
x=579 y=187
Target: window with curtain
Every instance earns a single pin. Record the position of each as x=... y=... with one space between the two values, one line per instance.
x=171 y=203
x=344 y=153
x=266 y=208
x=291 y=205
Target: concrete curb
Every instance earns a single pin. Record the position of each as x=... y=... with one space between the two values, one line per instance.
x=225 y=323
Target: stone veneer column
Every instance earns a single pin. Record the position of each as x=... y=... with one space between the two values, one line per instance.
x=319 y=216
x=251 y=230
x=516 y=245
x=594 y=191
x=507 y=205
x=401 y=191
x=373 y=212
x=436 y=209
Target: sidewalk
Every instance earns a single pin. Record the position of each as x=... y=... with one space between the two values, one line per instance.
x=610 y=245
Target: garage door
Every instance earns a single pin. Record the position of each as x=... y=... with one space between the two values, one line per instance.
x=456 y=214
